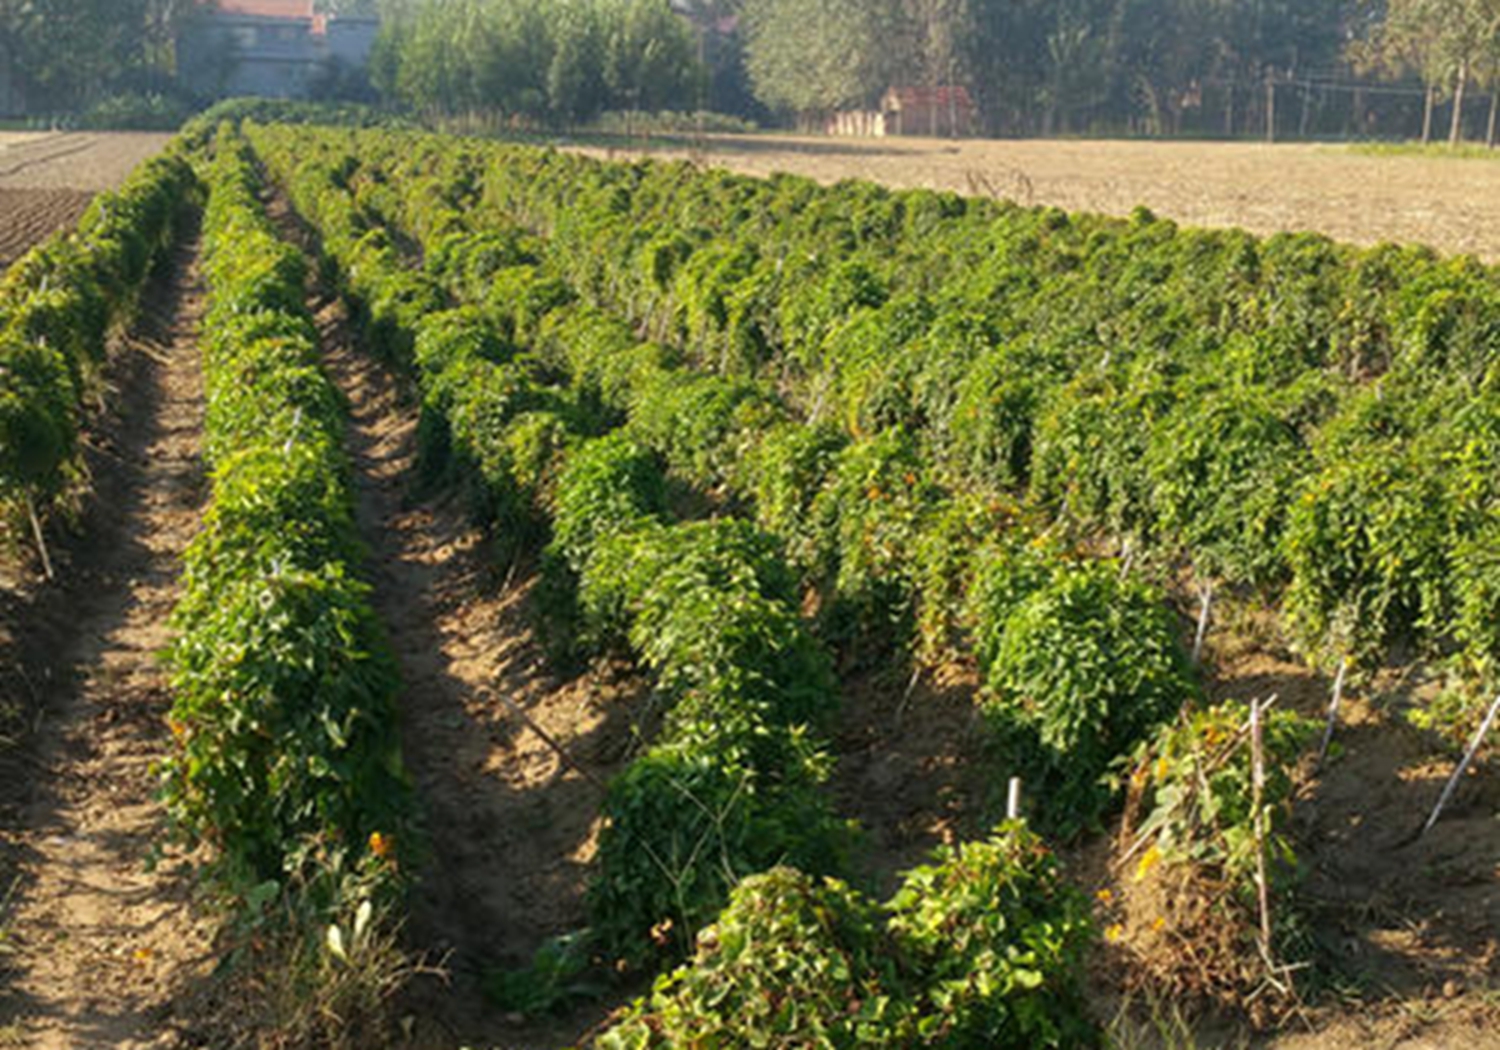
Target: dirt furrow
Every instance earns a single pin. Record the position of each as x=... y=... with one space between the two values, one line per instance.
x=103 y=932
x=509 y=827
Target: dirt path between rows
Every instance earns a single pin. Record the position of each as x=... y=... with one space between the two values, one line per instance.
x=100 y=938
x=509 y=828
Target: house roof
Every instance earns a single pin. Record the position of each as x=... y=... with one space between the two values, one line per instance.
x=299 y=9
x=921 y=97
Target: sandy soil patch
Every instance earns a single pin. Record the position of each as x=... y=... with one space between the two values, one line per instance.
x=79 y=160
x=1452 y=205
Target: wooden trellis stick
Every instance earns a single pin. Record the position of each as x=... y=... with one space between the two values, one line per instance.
x=1206 y=604
x=1258 y=791
x=547 y=738
x=1333 y=709
x=41 y=539
x=1463 y=766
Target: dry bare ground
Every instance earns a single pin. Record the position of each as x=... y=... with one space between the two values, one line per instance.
x=509 y=819
x=1452 y=205
x=100 y=927
x=48 y=178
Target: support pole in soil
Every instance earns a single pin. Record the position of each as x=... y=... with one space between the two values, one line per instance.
x=1333 y=708
x=1463 y=766
x=546 y=738
x=1258 y=791
x=1013 y=800
x=1206 y=604
x=41 y=539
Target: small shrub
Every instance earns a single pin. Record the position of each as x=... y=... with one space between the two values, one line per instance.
x=1085 y=666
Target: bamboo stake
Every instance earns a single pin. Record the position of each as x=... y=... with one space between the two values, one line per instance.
x=41 y=539
x=1463 y=767
x=1013 y=800
x=1206 y=599
x=1333 y=709
x=1258 y=790
x=547 y=739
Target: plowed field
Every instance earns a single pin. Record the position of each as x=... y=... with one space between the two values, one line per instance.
x=48 y=178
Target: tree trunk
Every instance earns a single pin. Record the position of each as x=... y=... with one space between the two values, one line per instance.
x=1270 y=106
x=1456 y=131
x=1427 y=115
x=1489 y=137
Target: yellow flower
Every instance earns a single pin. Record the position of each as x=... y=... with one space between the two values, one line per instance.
x=1114 y=932
x=1105 y=896
x=1160 y=924
x=1150 y=859
x=383 y=846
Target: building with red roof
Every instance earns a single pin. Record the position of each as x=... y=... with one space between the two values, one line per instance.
x=268 y=48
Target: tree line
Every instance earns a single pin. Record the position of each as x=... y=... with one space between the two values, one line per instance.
x=1035 y=67
x=68 y=54
x=559 y=61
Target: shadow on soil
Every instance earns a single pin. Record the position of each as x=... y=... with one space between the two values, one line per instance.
x=84 y=704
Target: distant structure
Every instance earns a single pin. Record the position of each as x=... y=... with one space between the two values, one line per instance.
x=946 y=111
x=269 y=48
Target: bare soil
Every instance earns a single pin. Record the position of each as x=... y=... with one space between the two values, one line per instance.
x=509 y=822
x=1452 y=205
x=48 y=178
x=1404 y=930
x=100 y=930
x=28 y=217
x=911 y=768
x=81 y=160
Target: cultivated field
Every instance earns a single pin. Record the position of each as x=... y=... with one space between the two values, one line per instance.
x=552 y=570
x=1453 y=206
x=48 y=178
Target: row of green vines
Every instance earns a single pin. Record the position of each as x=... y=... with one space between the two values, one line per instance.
x=58 y=306
x=287 y=758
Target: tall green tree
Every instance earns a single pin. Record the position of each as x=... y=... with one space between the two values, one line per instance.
x=816 y=56
x=67 y=54
x=1447 y=43
x=544 y=60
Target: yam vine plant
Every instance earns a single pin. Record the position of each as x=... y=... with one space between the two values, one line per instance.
x=59 y=304
x=846 y=461
x=1199 y=841
x=286 y=757
x=869 y=521
x=982 y=947
x=1179 y=389
x=732 y=785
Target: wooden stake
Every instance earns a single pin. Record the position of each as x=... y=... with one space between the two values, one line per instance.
x=291 y=439
x=1206 y=598
x=1258 y=791
x=546 y=738
x=1013 y=800
x=1333 y=709
x=1463 y=767
x=41 y=539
